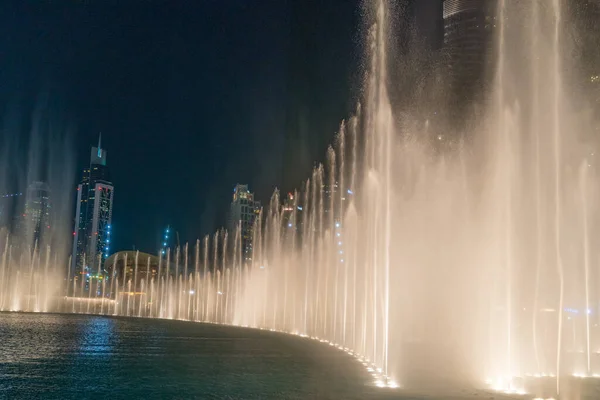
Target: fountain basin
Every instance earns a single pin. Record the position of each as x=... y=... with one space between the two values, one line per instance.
x=69 y=356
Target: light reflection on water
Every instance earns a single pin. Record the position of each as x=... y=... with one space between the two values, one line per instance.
x=56 y=356
x=97 y=338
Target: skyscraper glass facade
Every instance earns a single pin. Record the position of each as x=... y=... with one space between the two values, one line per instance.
x=93 y=218
x=36 y=218
x=468 y=43
x=244 y=212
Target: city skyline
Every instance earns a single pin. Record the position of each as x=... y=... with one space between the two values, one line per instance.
x=440 y=238
x=211 y=161
x=152 y=103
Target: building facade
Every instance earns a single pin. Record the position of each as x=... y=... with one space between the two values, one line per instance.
x=243 y=214
x=468 y=44
x=93 y=216
x=10 y=210
x=292 y=219
x=36 y=216
x=27 y=216
x=136 y=267
x=587 y=16
x=289 y=211
x=165 y=241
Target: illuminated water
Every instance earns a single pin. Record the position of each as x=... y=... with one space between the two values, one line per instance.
x=73 y=357
x=472 y=269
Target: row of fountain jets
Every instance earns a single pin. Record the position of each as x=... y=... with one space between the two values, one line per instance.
x=475 y=266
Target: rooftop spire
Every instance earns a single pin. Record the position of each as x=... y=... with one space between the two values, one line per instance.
x=100 y=145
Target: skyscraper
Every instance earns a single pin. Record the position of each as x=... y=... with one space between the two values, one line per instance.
x=586 y=15
x=165 y=241
x=91 y=241
x=287 y=210
x=9 y=208
x=36 y=218
x=330 y=201
x=291 y=216
x=468 y=43
x=243 y=213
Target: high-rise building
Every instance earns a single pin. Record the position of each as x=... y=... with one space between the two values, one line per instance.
x=330 y=198
x=36 y=217
x=91 y=241
x=586 y=14
x=468 y=44
x=9 y=210
x=291 y=215
x=287 y=211
x=243 y=213
x=165 y=241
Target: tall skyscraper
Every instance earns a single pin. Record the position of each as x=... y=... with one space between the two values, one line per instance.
x=287 y=211
x=330 y=194
x=291 y=216
x=468 y=43
x=91 y=241
x=243 y=213
x=586 y=15
x=27 y=216
x=36 y=217
x=165 y=241
x=9 y=209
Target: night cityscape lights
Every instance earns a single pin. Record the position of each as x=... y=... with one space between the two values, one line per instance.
x=429 y=267
x=165 y=241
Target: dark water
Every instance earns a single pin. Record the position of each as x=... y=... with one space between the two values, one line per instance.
x=63 y=356
x=55 y=356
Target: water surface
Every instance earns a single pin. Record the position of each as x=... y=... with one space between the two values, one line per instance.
x=57 y=356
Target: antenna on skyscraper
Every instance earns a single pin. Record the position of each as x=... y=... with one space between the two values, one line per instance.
x=100 y=145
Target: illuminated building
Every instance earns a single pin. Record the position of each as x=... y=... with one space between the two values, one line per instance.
x=165 y=241
x=27 y=216
x=587 y=15
x=287 y=210
x=468 y=38
x=337 y=197
x=139 y=270
x=291 y=215
x=36 y=216
x=243 y=213
x=91 y=237
x=329 y=195
x=122 y=266
x=9 y=209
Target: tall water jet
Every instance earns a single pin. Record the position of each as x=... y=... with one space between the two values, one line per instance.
x=439 y=267
x=36 y=178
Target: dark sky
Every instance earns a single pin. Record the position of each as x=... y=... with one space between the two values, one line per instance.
x=190 y=96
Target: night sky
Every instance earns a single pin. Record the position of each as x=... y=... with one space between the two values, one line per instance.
x=191 y=97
